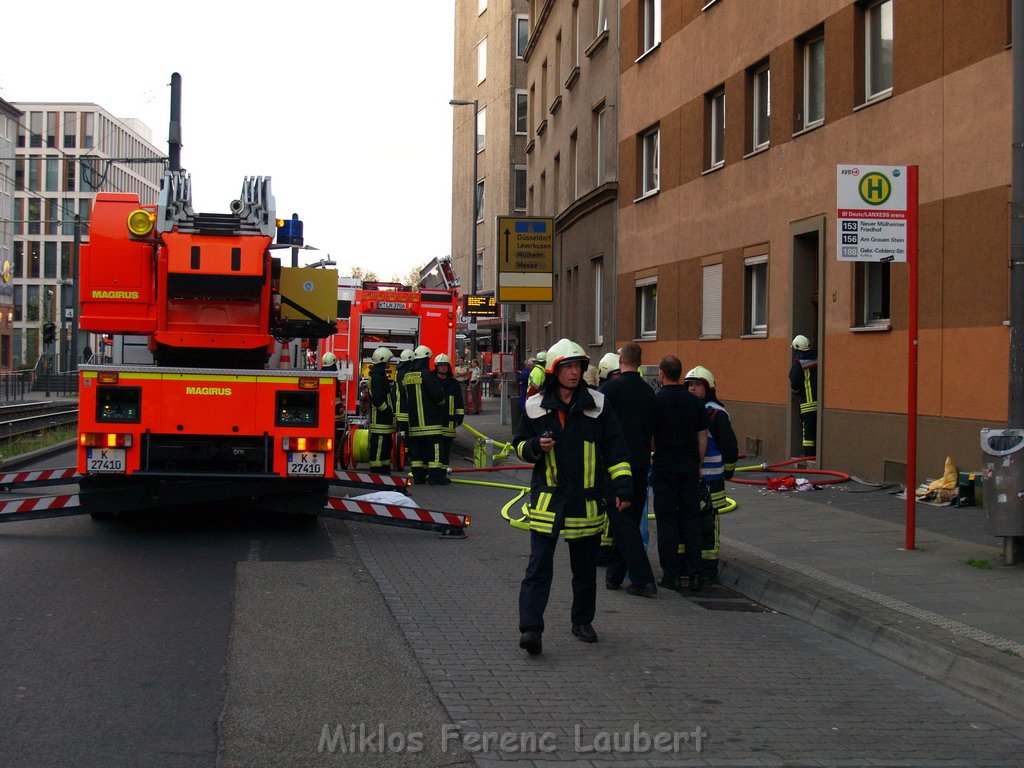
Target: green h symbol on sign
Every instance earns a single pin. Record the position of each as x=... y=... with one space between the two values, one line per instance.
x=874 y=188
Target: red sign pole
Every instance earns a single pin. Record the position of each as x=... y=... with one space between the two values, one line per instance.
x=912 y=348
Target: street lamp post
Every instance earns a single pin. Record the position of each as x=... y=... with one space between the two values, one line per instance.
x=475 y=103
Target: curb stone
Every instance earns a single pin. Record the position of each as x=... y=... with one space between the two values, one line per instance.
x=992 y=676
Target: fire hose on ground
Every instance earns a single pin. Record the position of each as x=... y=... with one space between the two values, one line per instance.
x=828 y=477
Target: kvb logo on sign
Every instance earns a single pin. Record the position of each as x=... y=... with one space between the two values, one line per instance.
x=875 y=188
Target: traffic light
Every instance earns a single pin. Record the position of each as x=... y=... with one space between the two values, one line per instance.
x=49 y=333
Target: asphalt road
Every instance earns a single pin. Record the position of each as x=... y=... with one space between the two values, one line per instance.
x=200 y=637
x=115 y=635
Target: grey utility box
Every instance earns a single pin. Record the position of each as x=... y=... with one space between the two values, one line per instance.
x=1003 y=467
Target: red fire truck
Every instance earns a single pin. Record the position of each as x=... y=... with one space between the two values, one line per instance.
x=375 y=314
x=212 y=301
x=213 y=416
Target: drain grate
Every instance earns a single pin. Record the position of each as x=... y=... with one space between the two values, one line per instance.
x=716 y=597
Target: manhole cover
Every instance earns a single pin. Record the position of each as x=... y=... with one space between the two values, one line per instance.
x=716 y=597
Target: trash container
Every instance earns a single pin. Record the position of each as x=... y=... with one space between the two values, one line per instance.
x=1003 y=465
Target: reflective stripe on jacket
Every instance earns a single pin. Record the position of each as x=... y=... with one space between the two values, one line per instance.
x=382 y=401
x=568 y=482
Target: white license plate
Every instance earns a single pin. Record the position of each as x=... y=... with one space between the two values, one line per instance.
x=104 y=460
x=306 y=464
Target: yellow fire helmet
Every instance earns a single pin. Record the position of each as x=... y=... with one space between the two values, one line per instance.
x=609 y=364
x=700 y=373
x=565 y=351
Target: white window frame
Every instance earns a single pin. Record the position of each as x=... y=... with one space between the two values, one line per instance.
x=870 y=273
x=576 y=35
x=479 y=266
x=650 y=161
x=869 y=49
x=574 y=164
x=761 y=107
x=481 y=6
x=809 y=44
x=711 y=301
x=515 y=187
x=753 y=276
x=716 y=105
x=597 y=272
x=479 y=200
x=646 y=311
x=650 y=20
x=524 y=97
x=522 y=19
x=600 y=17
x=481 y=130
x=600 y=147
x=481 y=61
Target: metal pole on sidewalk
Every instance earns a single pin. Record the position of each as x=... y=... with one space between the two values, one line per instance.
x=1013 y=546
x=912 y=349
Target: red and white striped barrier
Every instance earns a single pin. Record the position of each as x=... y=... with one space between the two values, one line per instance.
x=412 y=516
x=66 y=473
x=26 y=507
x=371 y=478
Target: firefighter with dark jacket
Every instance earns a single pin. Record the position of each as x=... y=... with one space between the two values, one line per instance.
x=576 y=445
x=444 y=390
x=401 y=410
x=803 y=380
x=718 y=466
x=382 y=411
x=633 y=401
x=424 y=417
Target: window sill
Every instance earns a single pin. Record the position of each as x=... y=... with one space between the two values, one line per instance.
x=648 y=52
x=520 y=133
x=573 y=77
x=594 y=344
x=542 y=127
x=645 y=195
x=646 y=338
x=755 y=335
x=711 y=337
x=708 y=4
x=809 y=128
x=556 y=104
x=599 y=42
x=883 y=96
x=871 y=328
x=713 y=168
x=757 y=151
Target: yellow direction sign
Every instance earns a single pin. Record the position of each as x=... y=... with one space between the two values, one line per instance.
x=525 y=259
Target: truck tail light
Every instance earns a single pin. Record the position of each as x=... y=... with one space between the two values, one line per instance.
x=302 y=444
x=105 y=440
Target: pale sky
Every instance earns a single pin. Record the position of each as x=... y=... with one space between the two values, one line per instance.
x=344 y=105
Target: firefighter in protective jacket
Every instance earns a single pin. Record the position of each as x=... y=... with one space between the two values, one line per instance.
x=445 y=390
x=401 y=408
x=576 y=445
x=718 y=466
x=803 y=380
x=424 y=417
x=382 y=411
